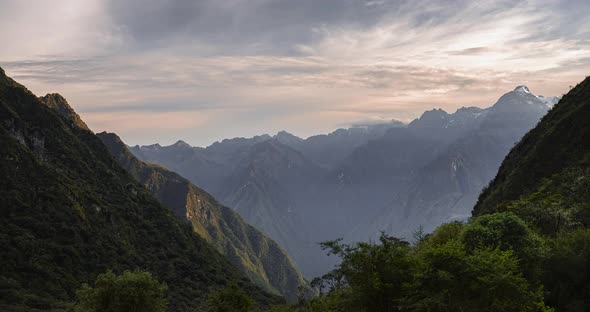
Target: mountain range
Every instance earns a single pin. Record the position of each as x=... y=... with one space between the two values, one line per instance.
x=354 y=183
x=261 y=258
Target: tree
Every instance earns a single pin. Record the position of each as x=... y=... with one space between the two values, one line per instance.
x=506 y=231
x=375 y=273
x=230 y=299
x=567 y=272
x=451 y=279
x=130 y=292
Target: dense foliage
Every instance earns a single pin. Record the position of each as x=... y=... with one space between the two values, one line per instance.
x=229 y=299
x=130 y=292
x=494 y=263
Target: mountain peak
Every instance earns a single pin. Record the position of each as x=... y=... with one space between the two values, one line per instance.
x=181 y=143
x=284 y=132
x=287 y=138
x=522 y=89
x=435 y=113
x=60 y=105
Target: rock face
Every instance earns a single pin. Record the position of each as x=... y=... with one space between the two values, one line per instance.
x=261 y=258
x=355 y=182
x=70 y=212
x=62 y=108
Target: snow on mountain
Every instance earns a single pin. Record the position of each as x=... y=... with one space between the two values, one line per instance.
x=523 y=89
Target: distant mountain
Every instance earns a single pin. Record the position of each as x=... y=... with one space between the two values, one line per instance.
x=328 y=150
x=447 y=187
x=355 y=182
x=70 y=212
x=266 y=179
x=266 y=187
x=206 y=167
x=262 y=259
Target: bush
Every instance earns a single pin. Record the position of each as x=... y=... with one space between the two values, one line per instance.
x=130 y=292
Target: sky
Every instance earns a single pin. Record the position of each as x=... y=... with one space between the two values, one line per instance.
x=203 y=70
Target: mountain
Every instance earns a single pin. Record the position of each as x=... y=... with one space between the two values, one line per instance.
x=545 y=181
x=328 y=150
x=354 y=183
x=205 y=167
x=375 y=184
x=59 y=105
x=262 y=259
x=266 y=188
x=557 y=149
x=70 y=212
x=447 y=187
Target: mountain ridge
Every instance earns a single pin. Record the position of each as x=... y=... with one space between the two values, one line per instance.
x=70 y=212
x=263 y=260
x=388 y=177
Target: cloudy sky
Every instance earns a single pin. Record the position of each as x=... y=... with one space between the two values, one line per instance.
x=203 y=70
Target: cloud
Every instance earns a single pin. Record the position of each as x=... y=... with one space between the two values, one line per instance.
x=256 y=26
x=239 y=68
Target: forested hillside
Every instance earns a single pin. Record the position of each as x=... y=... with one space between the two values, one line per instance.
x=69 y=212
x=551 y=159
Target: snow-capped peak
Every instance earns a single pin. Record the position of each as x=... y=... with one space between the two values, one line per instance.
x=523 y=89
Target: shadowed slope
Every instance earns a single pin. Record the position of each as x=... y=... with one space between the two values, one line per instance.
x=69 y=212
x=262 y=259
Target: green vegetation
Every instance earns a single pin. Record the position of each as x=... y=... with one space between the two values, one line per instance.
x=557 y=150
x=229 y=299
x=493 y=263
x=130 y=292
x=69 y=212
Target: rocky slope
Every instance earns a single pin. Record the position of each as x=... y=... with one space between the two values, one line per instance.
x=262 y=259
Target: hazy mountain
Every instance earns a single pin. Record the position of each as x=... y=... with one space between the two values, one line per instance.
x=262 y=259
x=370 y=185
x=328 y=150
x=447 y=187
x=354 y=182
x=70 y=212
x=267 y=188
